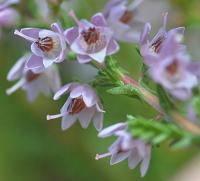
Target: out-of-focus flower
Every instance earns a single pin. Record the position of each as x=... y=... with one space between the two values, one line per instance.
x=44 y=82
x=91 y=40
x=126 y=146
x=82 y=103
x=172 y=71
x=152 y=48
x=122 y=19
x=8 y=16
x=48 y=46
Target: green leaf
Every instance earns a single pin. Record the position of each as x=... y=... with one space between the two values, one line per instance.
x=128 y=90
x=158 y=132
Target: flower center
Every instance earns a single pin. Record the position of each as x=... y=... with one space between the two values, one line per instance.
x=30 y=76
x=127 y=17
x=172 y=68
x=91 y=36
x=156 y=46
x=76 y=106
x=45 y=44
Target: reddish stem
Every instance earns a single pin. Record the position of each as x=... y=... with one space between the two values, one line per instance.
x=153 y=100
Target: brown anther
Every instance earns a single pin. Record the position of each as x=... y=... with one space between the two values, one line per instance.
x=45 y=44
x=30 y=76
x=91 y=36
x=127 y=17
x=172 y=68
x=76 y=106
x=157 y=45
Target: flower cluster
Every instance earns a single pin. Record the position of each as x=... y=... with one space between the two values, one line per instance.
x=168 y=61
x=91 y=42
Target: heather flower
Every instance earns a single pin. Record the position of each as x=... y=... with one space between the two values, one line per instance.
x=126 y=146
x=172 y=69
x=91 y=40
x=82 y=104
x=45 y=82
x=48 y=46
x=8 y=16
x=122 y=19
x=152 y=48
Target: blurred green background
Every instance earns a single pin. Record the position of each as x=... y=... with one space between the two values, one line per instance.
x=33 y=149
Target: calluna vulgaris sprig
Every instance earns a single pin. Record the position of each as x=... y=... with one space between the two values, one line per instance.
x=166 y=65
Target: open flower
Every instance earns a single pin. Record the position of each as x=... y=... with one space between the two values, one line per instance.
x=47 y=81
x=122 y=19
x=8 y=16
x=82 y=103
x=152 y=48
x=126 y=146
x=91 y=40
x=172 y=70
x=48 y=46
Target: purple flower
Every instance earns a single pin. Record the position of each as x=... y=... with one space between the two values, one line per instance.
x=91 y=40
x=172 y=71
x=126 y=146
x=82 y=103
x=48 y=46
x=122 y=19
x=151 y=49
x=46 y=81
x=8 y=16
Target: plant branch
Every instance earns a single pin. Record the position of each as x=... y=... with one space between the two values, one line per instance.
x=153 y=100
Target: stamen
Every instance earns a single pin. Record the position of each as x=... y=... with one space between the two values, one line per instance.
x=91 y=35
x=76 y=20
x=50 y=117
x=45 y=44
x=76 y=106
x=157 y=45
x=97 y=157
x=17 y=32
x=17 y=86
x=165 y=16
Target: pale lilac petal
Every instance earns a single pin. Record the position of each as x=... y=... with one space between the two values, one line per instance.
x=17 y=70
x=145 y=163
x=145 y=34
x=62 y=91
x=83 y=58
x=35 y=63
x=99 y=56
x=85 y=117
x=134 y=159
x=56 y=27
x=113 y=47
x=75 y=47
x=31 y=32
x=98 y=20
x=77 y=91
x=179 y=30
x=98 y=121
x=68 y=121
x=37 y=51
x=114 y=148
x=71 y=34
x=112 y=129
x=116 y=158
x=89 y=96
